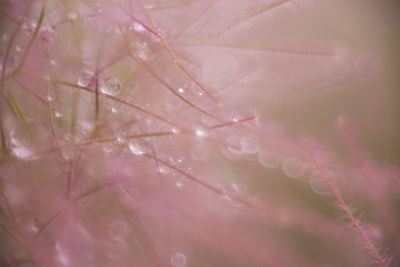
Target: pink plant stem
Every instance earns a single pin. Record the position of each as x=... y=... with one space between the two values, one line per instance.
x=9 y=17
x=172 y=90
x=344 y=206
x=254 y=15
x=118 y=100
x=372 y=182
x=104 y=68
x=2 y=89
x=69 y=173
x=172 y=54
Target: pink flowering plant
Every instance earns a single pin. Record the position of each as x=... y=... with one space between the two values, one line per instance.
x=196 y=133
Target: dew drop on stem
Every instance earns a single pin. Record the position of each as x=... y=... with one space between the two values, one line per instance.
x=85 y=78
x=19 y=48
x=111 y=86
x=163 y=169
x=175 y=130
x=136 y=149
x=114 y=109
x=179 y=185
x=200 y=132
x=50 y=96
x=141 y=49
x=58 y=114
x=137 y=27
x=121 y=139
x=234 y=190
x=68 y=152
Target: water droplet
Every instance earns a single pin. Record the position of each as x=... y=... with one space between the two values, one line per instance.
x=18 y=48
x=179 y=185
x=111 y=86
x=234 y=144
x=178 y=260
x=200 y=132
x=87 y=126
x=233 y=193
x=58 y=114
x=72 y=16
x=48 y=35
x=53 y=62
x=114 y=109
x=68 y=151
x=163 y=169
x=181 y=90
x=33 y=227
x=175 y=130
x=138 y=27
x=62 y=257
x=249 y=145
x=233 y=189
x=50 y=96
x=121 y=139
x=25 y=25
x=141 y=49
x=293 y=167
x=269 y=159
x=84 y=129
x=27 y=139
x=85 y=78
x=136 y=149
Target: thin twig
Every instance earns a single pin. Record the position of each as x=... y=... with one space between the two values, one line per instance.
x=344 y=206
